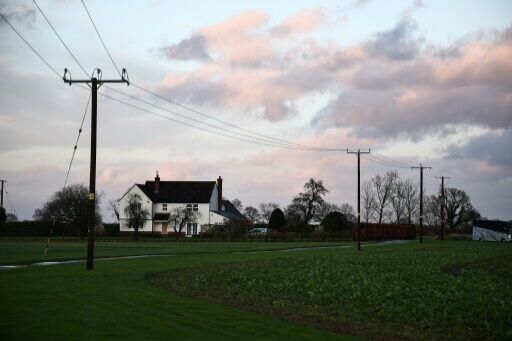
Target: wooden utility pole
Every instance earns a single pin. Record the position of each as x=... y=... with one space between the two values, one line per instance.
x=2 y=193
x=421 y=167
x=94 y=83
x=358 y=153
x=443 y=205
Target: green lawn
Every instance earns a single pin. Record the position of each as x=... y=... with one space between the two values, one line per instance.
x=118 y=300
x=18 y=251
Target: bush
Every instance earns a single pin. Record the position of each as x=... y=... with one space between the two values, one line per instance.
x=335 y=222
x=277 y=221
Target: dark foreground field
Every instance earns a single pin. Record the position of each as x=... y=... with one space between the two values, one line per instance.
x=218 y=291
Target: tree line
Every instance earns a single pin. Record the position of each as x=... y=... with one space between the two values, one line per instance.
x=384 y=199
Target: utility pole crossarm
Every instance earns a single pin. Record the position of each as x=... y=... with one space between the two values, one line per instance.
x=95 y=82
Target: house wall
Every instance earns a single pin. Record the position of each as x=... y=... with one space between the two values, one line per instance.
x=145 y=203
x=213 y=199
x=203 y=209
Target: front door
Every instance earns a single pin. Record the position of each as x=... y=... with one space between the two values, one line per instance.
x=164 y=228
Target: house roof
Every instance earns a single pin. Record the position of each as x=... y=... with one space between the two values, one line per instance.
x=180 y=192
x=230 y=211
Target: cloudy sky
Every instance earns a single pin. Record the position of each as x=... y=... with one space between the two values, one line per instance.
x=416 y=81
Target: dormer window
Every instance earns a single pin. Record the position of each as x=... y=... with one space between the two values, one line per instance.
x=164 y=207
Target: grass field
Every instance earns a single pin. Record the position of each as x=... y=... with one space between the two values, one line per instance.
x=18 y=251
x=204 y=291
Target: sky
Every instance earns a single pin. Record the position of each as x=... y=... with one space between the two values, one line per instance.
x=425 y=82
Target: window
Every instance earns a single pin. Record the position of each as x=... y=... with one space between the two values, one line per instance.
x=164 y=207
x=138 y=206
x=192 y=207
x=191 y=229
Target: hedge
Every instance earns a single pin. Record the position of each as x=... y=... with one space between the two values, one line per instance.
x=369 y=231
x=37 y=228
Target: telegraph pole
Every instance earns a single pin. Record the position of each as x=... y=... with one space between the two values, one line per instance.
x=2 y=193
x=421 y=167
x=94 y=83
x=358 y=153
x=443 y=205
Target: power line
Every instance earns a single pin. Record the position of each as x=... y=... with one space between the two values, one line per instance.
x=280 y=141
x=193 y=126
x=30 y=46
x=195 y=111
x=156 y=106
x=59 y=37
x=266 y=141
x=391 y=160
x=101 y=39
x=77 y=139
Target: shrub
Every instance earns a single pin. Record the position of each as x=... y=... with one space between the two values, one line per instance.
x=334 y=222
x=277 y=221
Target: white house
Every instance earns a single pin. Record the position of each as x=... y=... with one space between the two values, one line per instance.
x=160 y=197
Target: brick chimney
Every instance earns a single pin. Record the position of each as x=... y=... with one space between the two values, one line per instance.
x=157 y=183
x=219 y=194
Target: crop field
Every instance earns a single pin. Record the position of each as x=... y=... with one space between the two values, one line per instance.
x=452 y=290
x=254 y=291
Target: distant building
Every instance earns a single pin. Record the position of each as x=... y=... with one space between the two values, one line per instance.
x=160 y=197
x=492 y=230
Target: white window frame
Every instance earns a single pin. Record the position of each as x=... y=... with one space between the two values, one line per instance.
x=164 y=207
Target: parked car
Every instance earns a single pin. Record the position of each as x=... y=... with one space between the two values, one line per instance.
x=259 y=231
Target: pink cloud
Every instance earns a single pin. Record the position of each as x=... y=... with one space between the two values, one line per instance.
x=302 y=22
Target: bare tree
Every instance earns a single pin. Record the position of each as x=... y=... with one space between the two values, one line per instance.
x=383 y=191
x=251 y=213
x=307 y=205
x=114 y=207
x=348 y=211
x=266 y=210
x=179 y=217
x=368 y=202
x=431 y=210
x=137 y=215
x=412 y=201
x=398 y=202
x=238 y=204
x=71 y=206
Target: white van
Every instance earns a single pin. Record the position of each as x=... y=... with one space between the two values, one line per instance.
x=492 y=230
